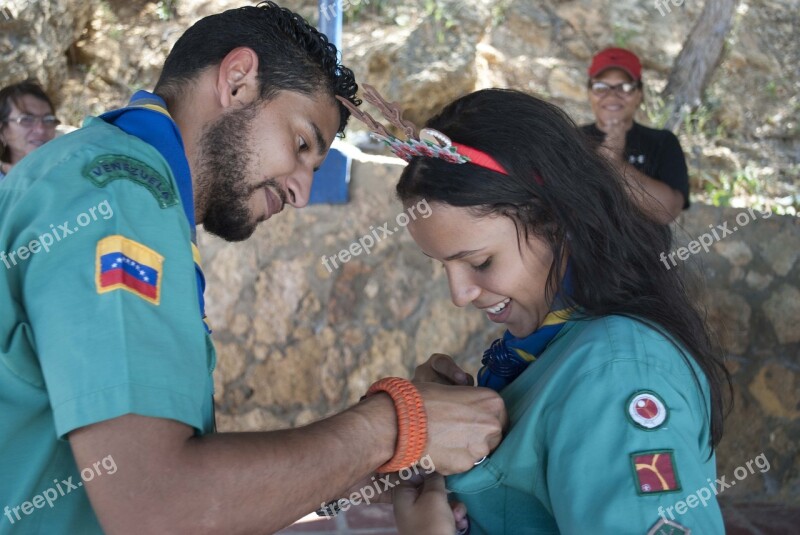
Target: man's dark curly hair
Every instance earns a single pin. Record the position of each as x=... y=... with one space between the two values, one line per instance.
x=292 y=54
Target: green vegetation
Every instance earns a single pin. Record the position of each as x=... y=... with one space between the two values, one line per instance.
x=353 y=10
x=166 y=9
x=622 y=35
x=499 y=13
x=443 y=17
x=723 y=186
x=700 y=127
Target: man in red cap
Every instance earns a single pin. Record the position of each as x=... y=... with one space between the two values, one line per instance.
x=652 y=161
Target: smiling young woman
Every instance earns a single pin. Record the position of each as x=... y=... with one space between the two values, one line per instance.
x=603 y=347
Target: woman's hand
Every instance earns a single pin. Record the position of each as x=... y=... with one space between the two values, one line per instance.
x=460 y=517
x=420 y=506
x=442 y=369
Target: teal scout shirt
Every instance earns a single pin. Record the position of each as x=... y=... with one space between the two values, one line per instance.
x=608 y=432
x=99 y=317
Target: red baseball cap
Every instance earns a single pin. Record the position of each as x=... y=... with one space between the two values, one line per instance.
x=616 y=58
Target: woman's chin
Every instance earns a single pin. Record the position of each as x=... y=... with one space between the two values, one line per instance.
x=520 y=331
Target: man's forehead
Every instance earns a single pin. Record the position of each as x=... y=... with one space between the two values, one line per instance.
x=317 y=111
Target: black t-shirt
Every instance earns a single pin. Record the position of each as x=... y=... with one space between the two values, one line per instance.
x=656 y=153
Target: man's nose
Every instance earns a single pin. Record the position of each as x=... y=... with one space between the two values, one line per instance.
x=298 y=187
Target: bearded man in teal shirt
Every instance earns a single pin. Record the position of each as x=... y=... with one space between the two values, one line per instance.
x=106 y=410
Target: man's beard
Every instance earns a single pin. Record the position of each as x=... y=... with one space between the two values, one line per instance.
x=222 y=172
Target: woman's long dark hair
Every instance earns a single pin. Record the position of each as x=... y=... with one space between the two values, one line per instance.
x=581 y=207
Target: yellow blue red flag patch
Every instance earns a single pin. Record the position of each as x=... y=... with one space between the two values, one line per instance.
x=124 y=264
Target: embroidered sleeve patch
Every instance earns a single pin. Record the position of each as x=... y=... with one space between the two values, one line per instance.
x=124 y=264
x=655 y=472
x=647 y=410
x=109 y=167
x=668 y=527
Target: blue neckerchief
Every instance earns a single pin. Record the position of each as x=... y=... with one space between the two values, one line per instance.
x=509 y=356
x=146 y=117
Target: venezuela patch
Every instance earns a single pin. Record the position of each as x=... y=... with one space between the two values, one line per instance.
x=109 y=167
x=124 y=264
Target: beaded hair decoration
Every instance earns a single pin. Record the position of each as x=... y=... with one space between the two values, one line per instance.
x=429 y=143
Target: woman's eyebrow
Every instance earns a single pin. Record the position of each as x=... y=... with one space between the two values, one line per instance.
x=458 y=256
x=462 y=254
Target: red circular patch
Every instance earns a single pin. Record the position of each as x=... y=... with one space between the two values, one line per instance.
x=646 y=408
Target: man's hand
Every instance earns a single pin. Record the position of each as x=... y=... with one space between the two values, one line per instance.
x=262 y=482
x=465 y=423
x=442 y=369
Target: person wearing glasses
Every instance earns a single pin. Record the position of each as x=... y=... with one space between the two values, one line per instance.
x=27 y=122
x=651 y=160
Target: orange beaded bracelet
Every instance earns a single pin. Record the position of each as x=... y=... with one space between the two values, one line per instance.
x=412 y=423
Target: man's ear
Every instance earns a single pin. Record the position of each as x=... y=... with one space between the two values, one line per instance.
x=237 y=80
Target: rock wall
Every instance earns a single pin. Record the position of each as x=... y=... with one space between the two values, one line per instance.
x=36 y=36
x=298 y=341
x=92 y=53
x=748 y=129
x=752 y=295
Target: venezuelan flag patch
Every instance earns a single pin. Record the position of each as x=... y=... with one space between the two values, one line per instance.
x=124 y=264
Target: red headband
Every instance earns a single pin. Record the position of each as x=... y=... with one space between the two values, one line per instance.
x=480 y=158
x=484 y=160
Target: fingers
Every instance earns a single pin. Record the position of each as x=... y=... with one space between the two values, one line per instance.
x=442 y=369
x=405 y=494
x=503 y=417
x=464 y=424
x=434 y=483
x=423 y=508
x=459 y=515
x=446 y=367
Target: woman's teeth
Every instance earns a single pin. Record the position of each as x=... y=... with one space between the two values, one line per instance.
x=499 y=307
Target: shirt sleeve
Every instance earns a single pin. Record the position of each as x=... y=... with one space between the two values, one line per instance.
x=671 y=166
x=626 y=443
x=113 y=304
